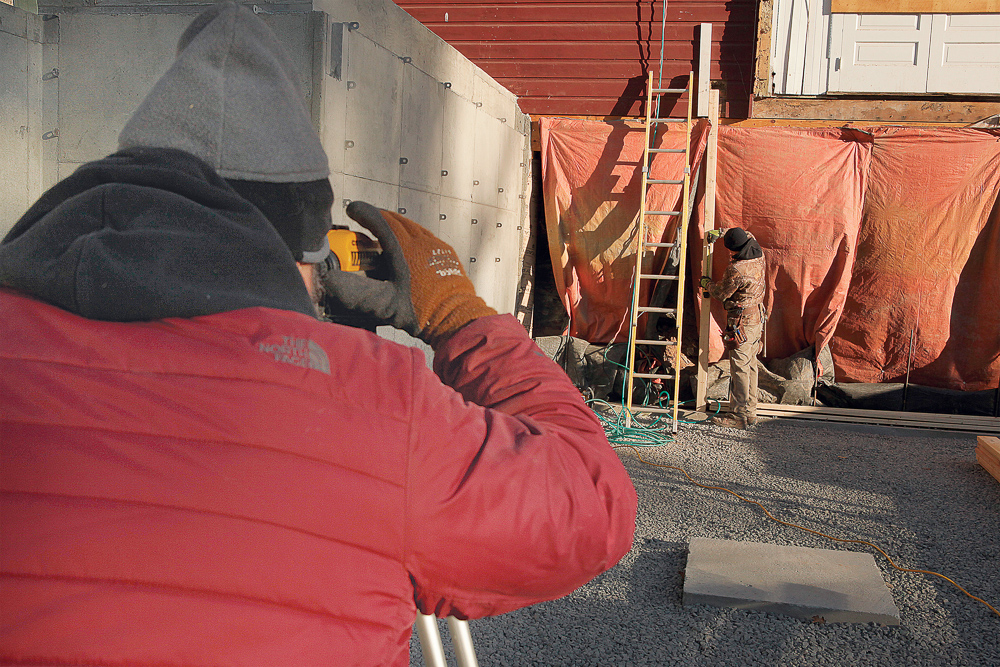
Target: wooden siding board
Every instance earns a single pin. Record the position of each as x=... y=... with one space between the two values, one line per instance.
x=604 y=69
x=589 y=33
x=616 y=54
x=568 y=57
x=537 y=51
x=562 y=87
x=593 y=11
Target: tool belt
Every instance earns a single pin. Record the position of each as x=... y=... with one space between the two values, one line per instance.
x=735 y=333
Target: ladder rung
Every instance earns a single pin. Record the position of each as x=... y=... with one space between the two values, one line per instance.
x=668 y=120
x=663 y=212
x=659 y=181
x=653 y=376
x=667 y=150
x=667 y=343
x=653 y=309
x=656 y=91
x=656 y=276
x=650 y=244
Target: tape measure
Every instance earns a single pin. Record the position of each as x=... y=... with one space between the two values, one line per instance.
x=352 y=251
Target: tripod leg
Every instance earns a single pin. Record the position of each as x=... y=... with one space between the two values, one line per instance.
x=430 y=641
x=461 y=641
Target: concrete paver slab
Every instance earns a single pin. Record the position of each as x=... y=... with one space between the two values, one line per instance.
x=838 y=586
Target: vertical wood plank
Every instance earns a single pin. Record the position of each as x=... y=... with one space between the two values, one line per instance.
x=704 y=69
x=705 y=320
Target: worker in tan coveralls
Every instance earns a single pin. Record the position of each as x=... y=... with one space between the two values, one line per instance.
x=741 y=291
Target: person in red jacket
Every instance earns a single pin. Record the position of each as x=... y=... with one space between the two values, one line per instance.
x=198 y=471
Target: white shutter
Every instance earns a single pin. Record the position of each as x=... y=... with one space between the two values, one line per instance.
x=798 y=47
x=964 y=54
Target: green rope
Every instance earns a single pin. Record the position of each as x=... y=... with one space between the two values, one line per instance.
x=637 y=435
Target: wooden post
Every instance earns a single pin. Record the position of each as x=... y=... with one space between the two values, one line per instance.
x=705 y=321
x=762 y=73
x=704 y=69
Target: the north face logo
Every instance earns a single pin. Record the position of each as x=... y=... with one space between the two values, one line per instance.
x=298 y=352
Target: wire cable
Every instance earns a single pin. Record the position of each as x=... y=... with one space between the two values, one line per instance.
x=808 y=530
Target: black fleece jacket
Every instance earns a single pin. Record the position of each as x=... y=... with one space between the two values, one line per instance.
x=145 y=234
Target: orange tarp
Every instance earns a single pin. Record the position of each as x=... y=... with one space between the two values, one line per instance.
x=862 y=231
x=799 y=192
x=591 y=181
x=927 y=264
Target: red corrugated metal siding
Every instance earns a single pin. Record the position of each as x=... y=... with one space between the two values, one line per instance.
x=564 y=57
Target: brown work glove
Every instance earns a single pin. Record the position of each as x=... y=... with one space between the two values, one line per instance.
x=419 y=285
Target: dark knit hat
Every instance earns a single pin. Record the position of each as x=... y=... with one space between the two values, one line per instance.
x=735 y=238
x=232 y=98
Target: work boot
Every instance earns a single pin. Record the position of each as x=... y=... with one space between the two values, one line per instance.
x=730 y=420
x=751 y=420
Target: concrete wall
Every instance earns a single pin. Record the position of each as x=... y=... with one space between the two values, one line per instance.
x=412 y=125
x=409 y=124
x=29 y=88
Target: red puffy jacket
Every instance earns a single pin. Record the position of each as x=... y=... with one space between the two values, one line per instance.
x=259 y=488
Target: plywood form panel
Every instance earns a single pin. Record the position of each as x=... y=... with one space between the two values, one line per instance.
x=338 y=212
x=422 y=119
x=96 y=100
x=456 y=227
x=333 y=94
x=384 y=23
x=511 y=170
x=491 y=98
x=486 y=156
x=374 y=110
x=592 y=58
x=14 y=139
x=458 y=156
x=18 y=130
x=495 y=262
x=424 y=208
x=510 y=264
x=377 y=193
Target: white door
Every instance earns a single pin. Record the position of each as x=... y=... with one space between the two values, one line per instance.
x=964 y=54
x=879 y=53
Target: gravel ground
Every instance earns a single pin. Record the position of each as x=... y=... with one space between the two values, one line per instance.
x=919 y=495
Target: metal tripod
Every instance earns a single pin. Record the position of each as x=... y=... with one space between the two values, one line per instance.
x=433 y=649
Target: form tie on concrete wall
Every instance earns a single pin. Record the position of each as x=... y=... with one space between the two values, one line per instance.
x=338 y=48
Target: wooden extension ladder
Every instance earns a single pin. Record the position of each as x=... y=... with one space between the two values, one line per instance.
x=653 y=120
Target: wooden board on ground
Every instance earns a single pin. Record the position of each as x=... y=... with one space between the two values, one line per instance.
x=988 y=454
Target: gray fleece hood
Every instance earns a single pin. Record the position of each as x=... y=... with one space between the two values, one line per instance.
x=232 y=99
